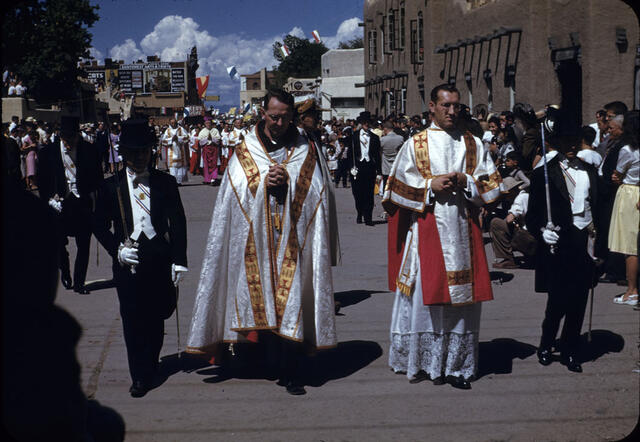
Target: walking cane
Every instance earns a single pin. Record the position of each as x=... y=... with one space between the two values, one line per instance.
x=178 y=321
x=590 y=314
x=549 y=225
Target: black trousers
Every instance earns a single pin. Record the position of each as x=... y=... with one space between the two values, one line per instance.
x=568 y=291
x=342 y=172
x=76 y=220
x=146 y=299
x=362 y=188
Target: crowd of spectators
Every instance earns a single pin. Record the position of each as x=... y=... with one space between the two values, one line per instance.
x=12 y=85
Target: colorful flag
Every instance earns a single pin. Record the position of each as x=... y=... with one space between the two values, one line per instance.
x=285 y=50
x=202 y=83
x=233 y=72
x=245 y=109
x=316 y=36
x=232 y=111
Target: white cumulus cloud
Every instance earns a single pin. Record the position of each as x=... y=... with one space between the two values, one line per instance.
x=173 y=37
x=127 y=51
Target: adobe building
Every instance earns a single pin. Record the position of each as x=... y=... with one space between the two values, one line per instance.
x=339 y=97
x=579 y=53
x=253 y=87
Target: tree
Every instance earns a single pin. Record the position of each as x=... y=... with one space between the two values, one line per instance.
x=42 y=42
x=302 y=62
x=356 y=43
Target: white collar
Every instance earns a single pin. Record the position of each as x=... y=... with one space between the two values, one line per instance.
x=550 y=155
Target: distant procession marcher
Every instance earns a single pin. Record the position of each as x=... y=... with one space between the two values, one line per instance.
x=437 y=263
x=209 y=142
x=176 y=139
x=390 y=144
x=273 y=192
x=147 y=271
x=364 y=160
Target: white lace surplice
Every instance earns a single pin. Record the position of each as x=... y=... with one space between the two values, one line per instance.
x=441 y=340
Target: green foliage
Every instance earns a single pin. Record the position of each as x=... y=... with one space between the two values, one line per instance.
x=42 y=42
x=356 y=43
x=303 y=60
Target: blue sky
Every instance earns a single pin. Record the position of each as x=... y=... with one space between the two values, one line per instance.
x=236 y=32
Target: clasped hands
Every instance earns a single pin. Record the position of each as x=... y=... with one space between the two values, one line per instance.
x=277 y=176
x=449 y=183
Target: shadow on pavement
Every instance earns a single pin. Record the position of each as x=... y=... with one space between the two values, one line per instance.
x=501 y=277
x=351 y=297
x=100 y=284
x=602 y=342
x=327 y=365
x=496 y=356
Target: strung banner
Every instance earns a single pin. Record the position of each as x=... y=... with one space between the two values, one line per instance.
x=285 y=50
x=316 y=36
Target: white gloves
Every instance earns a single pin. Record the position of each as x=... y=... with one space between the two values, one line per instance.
x=550 y=237
x=55 y=205
x=128 y=255
x=176 y=273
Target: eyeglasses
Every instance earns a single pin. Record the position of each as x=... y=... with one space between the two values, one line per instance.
x=278 y=117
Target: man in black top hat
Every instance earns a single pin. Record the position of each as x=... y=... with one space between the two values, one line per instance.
x=148 y=246
x=565 y=267
x=364 y=158
x=69 y=177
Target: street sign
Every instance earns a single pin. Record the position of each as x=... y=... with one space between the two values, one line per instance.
x=212 y=97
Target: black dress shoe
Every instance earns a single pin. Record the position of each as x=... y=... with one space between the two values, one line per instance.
x=295 y=388
x=419 y=377
x=66 y=281
x=439 y=381
x=545 y=357
x=572 y=364
x=359 y=220
x=81 y=290
x=459 y=382
x=369 y=223
x=138 y=389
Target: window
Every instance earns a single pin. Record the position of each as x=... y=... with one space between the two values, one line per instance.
x=391 y=31
x=403 y=100
x=373 y=46
x=347 y=102
x=416 y=53
x=391 y=102
x=420 y=38
x=401 y=27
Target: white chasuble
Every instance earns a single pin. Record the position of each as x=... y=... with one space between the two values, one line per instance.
x=267 y=266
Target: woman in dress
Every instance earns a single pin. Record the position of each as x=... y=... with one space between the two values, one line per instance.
x=623 y=232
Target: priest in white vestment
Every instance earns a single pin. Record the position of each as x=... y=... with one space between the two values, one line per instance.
x=267 y=264
x=437 y=263
x=176 y=139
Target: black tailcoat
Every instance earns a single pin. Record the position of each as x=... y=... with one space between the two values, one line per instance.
x=148 y=296
x=569 y=273
x=363 y=184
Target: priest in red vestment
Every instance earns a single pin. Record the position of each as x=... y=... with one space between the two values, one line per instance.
x=437 y=263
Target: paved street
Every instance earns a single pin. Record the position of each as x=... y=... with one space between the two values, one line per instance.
x=352 y=394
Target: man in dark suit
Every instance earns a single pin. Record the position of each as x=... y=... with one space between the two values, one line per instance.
x=69 y=177
x=364 y=155
x=147 y=271
x=565 y=266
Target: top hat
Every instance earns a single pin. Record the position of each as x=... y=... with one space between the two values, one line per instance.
x=364 y=117
x=69 y=125
x=136 y=134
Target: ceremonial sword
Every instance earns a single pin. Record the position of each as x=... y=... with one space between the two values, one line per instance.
x=550 y=226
